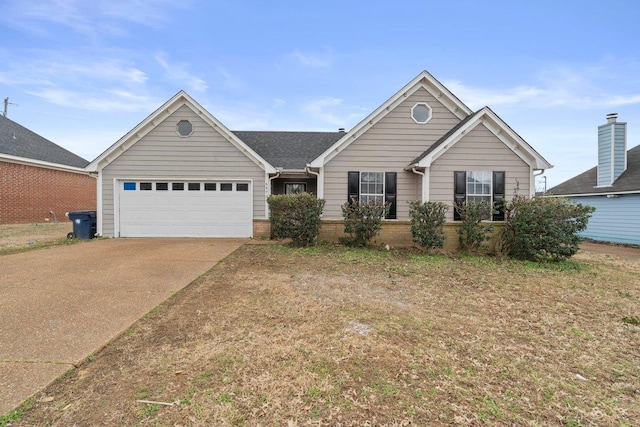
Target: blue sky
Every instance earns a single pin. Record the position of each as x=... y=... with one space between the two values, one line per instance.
x=83 y=73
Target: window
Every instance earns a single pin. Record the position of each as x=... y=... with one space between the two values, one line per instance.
x=480 y=186
x=162 y=186
x=371 y=186
x=145 y=186
x=209 y=186
x=421 y=113
x=295 y=187
x=367 y=186
x=184 y=128
x=242 y=187
x=194 y=186
x=177 y=186
x=226 y=186
x=129 y=186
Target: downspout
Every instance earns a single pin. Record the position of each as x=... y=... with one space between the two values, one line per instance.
x=532 y=190
x=266 y=196
x=271 y=178
x=424 y=190
x=318 y=183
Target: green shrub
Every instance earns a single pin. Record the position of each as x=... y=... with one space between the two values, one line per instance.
x=295 y=216
x=543 y=229
x=362 y=221
x=427 y=223
x=474 y=232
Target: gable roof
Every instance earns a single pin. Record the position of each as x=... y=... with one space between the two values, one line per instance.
x=497 y=126
x=288 y=150
x=423 y=80
x=586 y=183
x=17 y=141
x=177 y=101
x=442 y=139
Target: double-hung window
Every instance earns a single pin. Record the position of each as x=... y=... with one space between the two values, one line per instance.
x=373 y=186
x=480 y=186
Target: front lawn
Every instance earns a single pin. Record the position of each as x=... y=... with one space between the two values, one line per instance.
x=275 y=336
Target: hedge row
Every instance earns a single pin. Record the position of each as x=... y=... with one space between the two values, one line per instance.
x=539 y=229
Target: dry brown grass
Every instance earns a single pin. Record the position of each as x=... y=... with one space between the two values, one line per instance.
x=18 y=237
x=330 y=336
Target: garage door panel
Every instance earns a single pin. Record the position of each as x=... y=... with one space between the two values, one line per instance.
x=184 y=213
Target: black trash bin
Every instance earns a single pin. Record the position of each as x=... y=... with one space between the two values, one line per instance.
x=84 y=224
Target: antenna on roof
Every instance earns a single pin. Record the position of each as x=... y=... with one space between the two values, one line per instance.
x=6 y=106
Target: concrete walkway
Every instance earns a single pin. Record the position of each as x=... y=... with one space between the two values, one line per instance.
x=59 y=305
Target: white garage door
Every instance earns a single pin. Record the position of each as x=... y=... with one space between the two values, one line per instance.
x=185 y=208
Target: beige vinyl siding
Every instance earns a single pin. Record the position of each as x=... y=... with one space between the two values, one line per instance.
x=388 y=146
x=479 y=150
x=162 y=154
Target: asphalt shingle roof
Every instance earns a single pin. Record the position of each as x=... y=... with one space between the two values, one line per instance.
x=443 y=138
x=289 y=150
x=585 y=183
x=16 y=140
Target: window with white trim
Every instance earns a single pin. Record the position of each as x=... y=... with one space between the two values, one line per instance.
x=368 y=186
x=184 y=128
x=421 y=113
x=371 y=186
x=479 y=186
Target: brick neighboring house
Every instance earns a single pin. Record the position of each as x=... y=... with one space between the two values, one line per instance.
x=40 y=180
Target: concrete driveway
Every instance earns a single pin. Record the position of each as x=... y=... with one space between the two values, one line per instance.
x=59 y=305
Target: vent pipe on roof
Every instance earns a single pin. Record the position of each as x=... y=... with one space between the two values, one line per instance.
x=341 y=130
x=612 y=150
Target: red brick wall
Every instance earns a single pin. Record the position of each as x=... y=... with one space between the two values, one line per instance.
x=29 y=193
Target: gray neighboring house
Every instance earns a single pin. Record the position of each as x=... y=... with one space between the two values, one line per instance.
x=182 y=173
x=612 y=187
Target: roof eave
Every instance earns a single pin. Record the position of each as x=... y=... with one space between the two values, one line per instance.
x=608 y=193
x=177 y=101
x=499 y=128
x=422 y=80
x=41 y=163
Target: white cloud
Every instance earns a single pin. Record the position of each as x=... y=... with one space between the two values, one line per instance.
x=69 y=79
x=331 y=110
x=555 y=87
x=618 y=101
x=112 y=101
x=312 y=60
x=108 y=70
x=90 y=18
x=51 y=68
x=178 y=72
x=230 y=81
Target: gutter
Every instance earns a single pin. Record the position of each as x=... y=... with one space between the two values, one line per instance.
x=416 y=171
x=41 y=164
x=307 y=169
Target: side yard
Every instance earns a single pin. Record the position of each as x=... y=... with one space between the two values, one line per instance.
x=340 y=337
x=18 y=237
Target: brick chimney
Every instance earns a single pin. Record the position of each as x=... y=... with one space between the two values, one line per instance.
x=612 y=150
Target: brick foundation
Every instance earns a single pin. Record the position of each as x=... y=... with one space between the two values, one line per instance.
x=394 y=233
x=29 y=193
